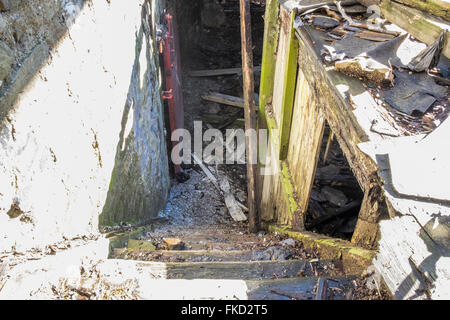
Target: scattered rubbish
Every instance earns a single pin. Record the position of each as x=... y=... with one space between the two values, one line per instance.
x=324 y=22
x=374 y=36
x=275 y=253
x=367 y=69
x=322 y=288
x=429 y=57
x=371 y=27
x=334 y=196
x=288 y=242
x=233 y=206
x=413 y=92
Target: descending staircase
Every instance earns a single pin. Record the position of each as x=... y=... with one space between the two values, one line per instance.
x=247 y=266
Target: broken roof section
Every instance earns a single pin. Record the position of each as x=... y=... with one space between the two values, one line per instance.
x=408 y=75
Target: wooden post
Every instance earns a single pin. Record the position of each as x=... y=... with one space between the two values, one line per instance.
x=250 y=112
x=271 y=29
x=289 y=85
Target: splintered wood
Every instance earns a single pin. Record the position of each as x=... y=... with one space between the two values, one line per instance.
x=234 y=207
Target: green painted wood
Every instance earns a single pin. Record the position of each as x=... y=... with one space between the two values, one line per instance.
x=290 y=77
x=271 y=30
x=268 y=66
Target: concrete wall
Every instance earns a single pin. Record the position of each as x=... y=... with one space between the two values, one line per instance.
x=81 y=119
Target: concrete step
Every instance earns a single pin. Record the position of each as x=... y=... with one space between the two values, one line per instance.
x=242 y=270
x=198 y=281
x=188 y=255
x=271 y=253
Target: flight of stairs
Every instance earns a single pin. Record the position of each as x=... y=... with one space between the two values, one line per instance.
x=245 y=266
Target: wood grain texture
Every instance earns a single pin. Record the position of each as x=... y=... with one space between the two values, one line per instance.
x=280 y=68
x=436 y=7
x=250 y=113
x=415 y=23
x=308 y=124
x=290 y=75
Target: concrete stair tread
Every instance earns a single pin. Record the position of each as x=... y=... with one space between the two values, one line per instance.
x=185 y=255
x=202 y=255
x=242 y=270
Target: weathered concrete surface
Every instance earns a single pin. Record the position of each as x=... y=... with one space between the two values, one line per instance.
x=35 y=279
x=80 y=115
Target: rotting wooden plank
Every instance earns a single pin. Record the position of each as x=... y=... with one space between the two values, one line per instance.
x=250 y=113
x=373 y=206
x=231 y=202
x=288 y=210
x=280 y=67
x=269 y=182
x=306 y=136
x=219 y=72
x=225 y=99
x=224 y=186
x=271 y=27
x=415 y=23
x=436 y=7
x=341 y=118
x=207 y=172
x=290 y=76
x=338 y=113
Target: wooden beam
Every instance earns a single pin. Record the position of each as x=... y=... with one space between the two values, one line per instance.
x=219 y=72
x=250 y=112
x=373 y=206
x=271 y=27
x=438 y=8
x=290 y=76
x=225 y=99
x=414 y=22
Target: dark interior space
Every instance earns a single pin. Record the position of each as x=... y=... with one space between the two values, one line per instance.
x=336 y=195
x=210 y=39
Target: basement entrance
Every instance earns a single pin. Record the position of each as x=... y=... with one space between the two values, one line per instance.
x=198 y=236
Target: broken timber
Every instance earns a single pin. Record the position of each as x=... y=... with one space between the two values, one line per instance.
x=225 y=99
x=250 y=112
x=234 y=207
x=416 y=23
x=219 y=72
